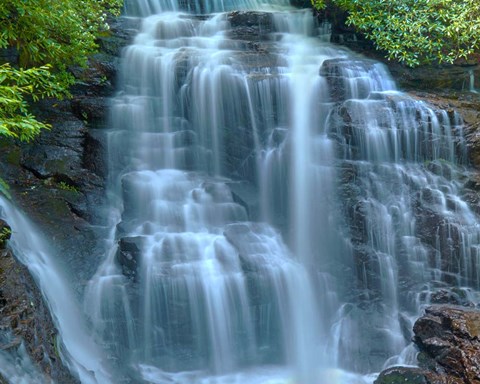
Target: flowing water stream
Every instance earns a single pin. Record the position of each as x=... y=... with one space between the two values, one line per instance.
x=279 y=211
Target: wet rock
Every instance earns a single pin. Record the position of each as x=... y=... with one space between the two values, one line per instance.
x=122 y=32
x=435 y=78
x=9 y=55
x=449 y=341
x=94 y=155
x=92 y=110
x=449 y=296
x=246 y=195
x=250 y=25
x=402 y=375
x=61 y=158
x=57 y=153
x=461 y=76
x=335 y=72
x=363 y=349
x=99 y=77
x=129 y=254
x=442 y=235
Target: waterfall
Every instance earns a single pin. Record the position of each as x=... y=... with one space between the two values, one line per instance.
x=193 y=284
x=272 y=197
x=280 y=212
x=76 y=346
x=150 y=7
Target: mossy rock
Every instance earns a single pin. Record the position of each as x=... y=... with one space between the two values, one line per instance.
x=402 y=375
x=5 y=233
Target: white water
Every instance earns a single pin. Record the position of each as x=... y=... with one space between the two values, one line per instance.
x=76 y=347
x=278 y=215
x=152 y=7
x=214 y=290
x=16 y=365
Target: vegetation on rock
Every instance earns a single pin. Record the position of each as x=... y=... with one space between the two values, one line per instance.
x=48 y=36
x=5 y=233
x=416 y=32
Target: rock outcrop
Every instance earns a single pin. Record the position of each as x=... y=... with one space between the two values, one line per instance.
x=448 y=339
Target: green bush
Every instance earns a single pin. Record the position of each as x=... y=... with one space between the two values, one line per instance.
x=49 y=35
x=416 y=31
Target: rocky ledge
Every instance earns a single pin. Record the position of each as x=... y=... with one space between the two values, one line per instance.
x=448 y=340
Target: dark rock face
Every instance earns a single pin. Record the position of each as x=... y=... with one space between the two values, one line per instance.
x=129 y=253
x=334 y=70
x=250 y=25
x=448 y=339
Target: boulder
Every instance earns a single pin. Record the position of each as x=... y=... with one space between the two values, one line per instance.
x=410 y=375
x=449 y=341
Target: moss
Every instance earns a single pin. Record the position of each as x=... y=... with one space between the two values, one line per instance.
x=67 y=187
x=13 y=156
x=402 y=375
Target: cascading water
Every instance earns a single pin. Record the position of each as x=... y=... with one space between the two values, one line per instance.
x=279 y=211
x=150 y=7
x=208 y=290
x=76 y=347
x=345 y=169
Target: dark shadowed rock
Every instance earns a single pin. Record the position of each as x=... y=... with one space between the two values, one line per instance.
x=92 y=110
x=336 y=71
x=250 y=25
x=129 y=253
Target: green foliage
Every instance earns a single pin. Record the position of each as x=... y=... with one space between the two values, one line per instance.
x=5 y=234
x=49 y=35
x=416 y=31
x=5 y=189
x=67 y=187
x=15 y=86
